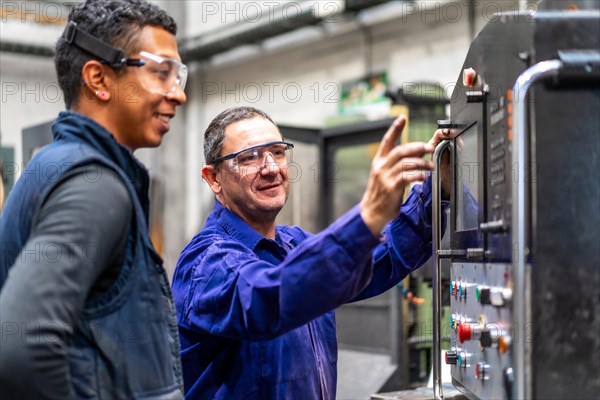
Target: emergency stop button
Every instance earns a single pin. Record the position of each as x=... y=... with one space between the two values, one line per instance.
x=467 y=331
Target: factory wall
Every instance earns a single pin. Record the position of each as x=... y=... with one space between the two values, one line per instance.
x=297 y=81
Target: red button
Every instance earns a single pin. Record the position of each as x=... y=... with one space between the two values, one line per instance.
x=469 y=77
x=464 y=332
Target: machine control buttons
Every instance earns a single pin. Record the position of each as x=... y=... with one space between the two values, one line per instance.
x=468 y=331
x=482 y=294
x=497 y=142
x=485 y=340
x=497 y=155
x=458 y=289
x=470 y=78
x=500 y=296
x=451 y=357
x=482 y=371
x=462 y=359
x=462 y=290
x=455 y=319
x=504 y=343
x=509 y=379
x=492 y=334
x=497 y=297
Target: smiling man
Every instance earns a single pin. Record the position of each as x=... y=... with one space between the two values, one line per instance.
x=254 y=299
x=85 y=305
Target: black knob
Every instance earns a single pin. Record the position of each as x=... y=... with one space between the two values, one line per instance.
x=508 y=381
x=451 y=357
x=484 y=296
x=485 y=339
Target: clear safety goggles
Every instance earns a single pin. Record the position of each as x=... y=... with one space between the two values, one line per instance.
x=253 y=158
x=158 y=74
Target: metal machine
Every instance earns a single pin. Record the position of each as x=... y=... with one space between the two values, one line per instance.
x=525 y=216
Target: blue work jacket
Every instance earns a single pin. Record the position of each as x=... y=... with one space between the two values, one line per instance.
x=256 y=316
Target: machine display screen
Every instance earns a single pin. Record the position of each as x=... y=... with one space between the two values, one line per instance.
x=467 y=179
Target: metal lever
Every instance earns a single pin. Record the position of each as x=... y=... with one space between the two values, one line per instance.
x=437 y=268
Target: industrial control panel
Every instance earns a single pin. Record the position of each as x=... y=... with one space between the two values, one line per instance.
x=524 y=227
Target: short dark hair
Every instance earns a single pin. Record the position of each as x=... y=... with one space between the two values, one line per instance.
x=214 y=136
x=116 y=22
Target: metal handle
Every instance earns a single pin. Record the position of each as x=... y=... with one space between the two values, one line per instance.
x=544 y=69
x=577 y=64
x=437 y=268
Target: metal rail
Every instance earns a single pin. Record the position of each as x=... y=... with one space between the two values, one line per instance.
x=437 y=268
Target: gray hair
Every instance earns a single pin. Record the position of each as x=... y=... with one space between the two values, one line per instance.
x=214 y=136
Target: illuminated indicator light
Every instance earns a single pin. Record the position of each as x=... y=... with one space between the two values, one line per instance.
x=460 y=291
x=477 y=293
x=504 y=344
x=509 y=108
x=451 y=288
x=451 y=321
x=510 y=121
x=509 y=95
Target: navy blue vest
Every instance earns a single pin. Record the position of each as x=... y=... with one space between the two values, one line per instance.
x=126 y=345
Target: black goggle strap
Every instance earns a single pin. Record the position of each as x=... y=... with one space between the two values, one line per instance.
x=106 y=53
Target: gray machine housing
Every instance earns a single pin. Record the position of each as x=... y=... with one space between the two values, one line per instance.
x=561 y=334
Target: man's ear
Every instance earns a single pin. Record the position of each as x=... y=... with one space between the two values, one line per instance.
x=211 y=176
x=97 y=80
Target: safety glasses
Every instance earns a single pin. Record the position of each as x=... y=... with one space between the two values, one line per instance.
x=158 y=74
x=253 y=157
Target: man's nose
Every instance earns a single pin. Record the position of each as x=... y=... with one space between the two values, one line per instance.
x=269 y=165
x=177 y=95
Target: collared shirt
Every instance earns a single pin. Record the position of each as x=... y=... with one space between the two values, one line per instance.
x=256 y=315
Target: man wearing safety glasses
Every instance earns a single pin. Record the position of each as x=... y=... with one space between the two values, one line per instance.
x=85 y=303
x=255 y=300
